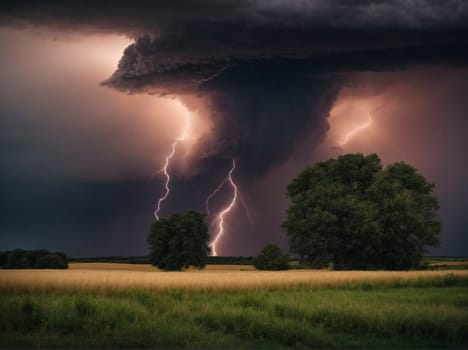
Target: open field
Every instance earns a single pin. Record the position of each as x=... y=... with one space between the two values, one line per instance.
x=137 y=277
x=127 y=307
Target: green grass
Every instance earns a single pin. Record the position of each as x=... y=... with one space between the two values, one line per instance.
x=365 y=315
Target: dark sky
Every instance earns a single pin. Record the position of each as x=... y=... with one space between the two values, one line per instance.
x=92 y=95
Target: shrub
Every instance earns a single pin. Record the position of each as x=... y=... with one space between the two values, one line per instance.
x=271 y=258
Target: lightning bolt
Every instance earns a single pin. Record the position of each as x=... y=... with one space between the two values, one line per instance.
x=357 y=129
x=182 y=137
x=215 y=75
x=220 y=216
x=247 y=211
x=207 y=202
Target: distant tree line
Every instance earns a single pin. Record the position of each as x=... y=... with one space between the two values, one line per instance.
x=112 y=259
x=33 y=259
x=211 y=260
x=230 y=260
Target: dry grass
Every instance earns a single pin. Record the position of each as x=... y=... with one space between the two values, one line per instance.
x=129 y=278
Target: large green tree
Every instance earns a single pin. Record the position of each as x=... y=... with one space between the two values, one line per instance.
x=179 y=241
x=351 y=212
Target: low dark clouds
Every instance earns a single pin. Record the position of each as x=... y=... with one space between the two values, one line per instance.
x=150 y=15
x=271 y=71
x=186 y=45
x=187 y=41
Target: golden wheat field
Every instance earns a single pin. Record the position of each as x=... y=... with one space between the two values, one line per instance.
x=124 y=277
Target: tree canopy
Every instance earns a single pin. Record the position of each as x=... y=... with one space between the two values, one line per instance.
x=353 y=213
x=179 y=241
x=271 y=258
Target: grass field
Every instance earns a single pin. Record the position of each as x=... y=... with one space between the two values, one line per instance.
x=136 y=306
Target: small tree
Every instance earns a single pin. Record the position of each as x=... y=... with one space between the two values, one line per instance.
x=271 y=258
x=179 y=241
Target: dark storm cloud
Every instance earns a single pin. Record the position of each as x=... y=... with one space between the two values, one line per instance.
x=126 y=14
x=186 y=48
x=185 y=42
x=270 y=69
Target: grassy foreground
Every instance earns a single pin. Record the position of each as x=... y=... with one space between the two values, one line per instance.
x=303 y=309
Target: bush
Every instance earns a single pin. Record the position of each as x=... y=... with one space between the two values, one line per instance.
x=271 y=258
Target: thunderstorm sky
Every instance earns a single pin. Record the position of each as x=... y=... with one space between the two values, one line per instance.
x=93 y=96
